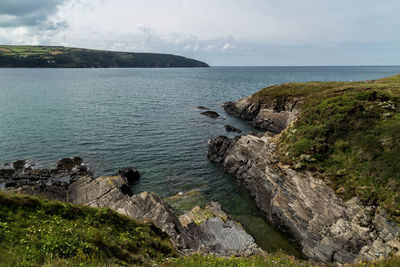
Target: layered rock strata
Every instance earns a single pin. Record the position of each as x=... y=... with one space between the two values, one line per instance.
x=328 y=229
x=273 y=115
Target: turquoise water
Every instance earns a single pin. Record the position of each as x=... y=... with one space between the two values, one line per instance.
x=145 y=118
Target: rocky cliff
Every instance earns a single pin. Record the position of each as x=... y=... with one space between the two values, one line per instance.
x=298 y=202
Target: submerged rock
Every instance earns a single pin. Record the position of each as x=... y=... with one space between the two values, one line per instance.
x=202 y=107
x=230 y=128
x=211 y=114
x=328 y=229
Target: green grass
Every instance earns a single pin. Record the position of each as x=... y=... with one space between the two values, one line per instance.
x=348 y=134
x=270 y=260
x=35 y=232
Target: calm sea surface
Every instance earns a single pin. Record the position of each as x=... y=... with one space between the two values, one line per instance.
x=146 y=118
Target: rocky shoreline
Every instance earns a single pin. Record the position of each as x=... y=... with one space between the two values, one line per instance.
x=329 y=229
x=204 y=231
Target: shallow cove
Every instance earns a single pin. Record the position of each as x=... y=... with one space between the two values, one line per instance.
x=146 y=118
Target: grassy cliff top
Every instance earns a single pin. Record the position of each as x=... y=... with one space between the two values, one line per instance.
x=314 y=90
x=349 y=134
x=59 y=56
x=35 y=232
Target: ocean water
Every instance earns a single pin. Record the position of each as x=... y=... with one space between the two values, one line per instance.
x=146 y=118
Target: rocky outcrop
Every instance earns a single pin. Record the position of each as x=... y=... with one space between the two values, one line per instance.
x=209 y=236
x=230 y=128
x=220 y=235
x=272 y=114
x=208 y=233
x=328 y=229
x=130 y=173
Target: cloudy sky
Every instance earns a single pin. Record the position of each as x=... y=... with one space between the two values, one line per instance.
x=220 y=32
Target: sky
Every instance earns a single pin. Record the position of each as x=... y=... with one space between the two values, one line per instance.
x=219 y=32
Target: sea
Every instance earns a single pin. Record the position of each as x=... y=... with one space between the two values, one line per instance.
x=148 y=118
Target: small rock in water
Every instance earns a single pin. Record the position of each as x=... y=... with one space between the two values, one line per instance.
x=230 y=128
x=202 y=107
x=211 y=114
x=130 y=173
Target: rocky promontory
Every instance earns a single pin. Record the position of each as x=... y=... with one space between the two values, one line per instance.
x=288 y=175
x=328 y=228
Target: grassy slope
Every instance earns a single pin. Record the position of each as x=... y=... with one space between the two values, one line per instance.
x=58 y=56
x=35 y=231
x=38 y=232
x=348 y=133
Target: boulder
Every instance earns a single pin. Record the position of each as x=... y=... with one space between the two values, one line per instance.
x=131 y=174
x=230 y=128
x=65 y=164
x=19 y=165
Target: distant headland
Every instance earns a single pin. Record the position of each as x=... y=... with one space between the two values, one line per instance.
x=13 y=56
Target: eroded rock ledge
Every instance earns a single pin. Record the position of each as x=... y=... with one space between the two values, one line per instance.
x=328 y=229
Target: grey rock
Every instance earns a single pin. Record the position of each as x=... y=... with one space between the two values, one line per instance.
x=328 y=229
x=21 y=165
x=273 y=115
x=217 y=234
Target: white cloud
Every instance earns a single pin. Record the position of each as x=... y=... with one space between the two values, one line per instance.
x=228 y=46
x=219 y=32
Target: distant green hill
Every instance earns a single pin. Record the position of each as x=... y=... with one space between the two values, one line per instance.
x=64 y=57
